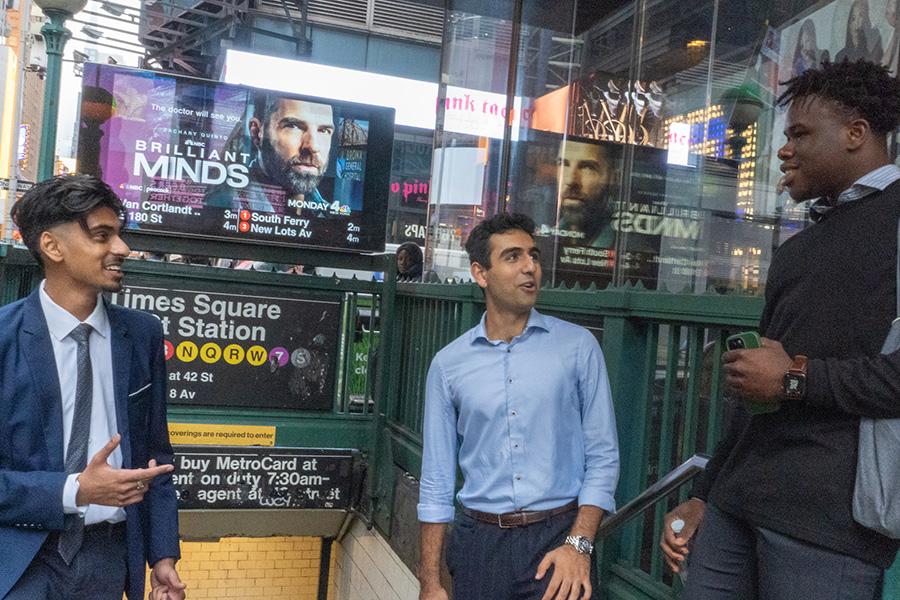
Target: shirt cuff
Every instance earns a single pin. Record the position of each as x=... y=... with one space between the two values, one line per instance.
x=70 y=493
x=597 y=498
x=435 y=513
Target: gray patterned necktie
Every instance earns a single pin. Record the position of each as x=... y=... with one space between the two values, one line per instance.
x=76 y=454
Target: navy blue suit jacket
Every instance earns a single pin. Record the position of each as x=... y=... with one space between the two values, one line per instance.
x=32 y=472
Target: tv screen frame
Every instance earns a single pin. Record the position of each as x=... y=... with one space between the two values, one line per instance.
x=193 y=159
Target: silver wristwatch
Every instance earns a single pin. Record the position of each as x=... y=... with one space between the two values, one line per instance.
x=581 y=544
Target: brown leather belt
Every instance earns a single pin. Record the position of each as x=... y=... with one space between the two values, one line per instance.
x=519 y=519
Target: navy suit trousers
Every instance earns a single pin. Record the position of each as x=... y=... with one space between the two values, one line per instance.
x=487 y=562
x=96 y=573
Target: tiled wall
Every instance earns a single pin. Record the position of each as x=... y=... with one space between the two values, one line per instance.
x=277 y=568
x=364 y=567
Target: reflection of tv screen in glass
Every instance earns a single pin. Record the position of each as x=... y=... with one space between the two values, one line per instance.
x=197 y=158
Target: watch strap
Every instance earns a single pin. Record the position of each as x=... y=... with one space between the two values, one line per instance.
x=799 y=365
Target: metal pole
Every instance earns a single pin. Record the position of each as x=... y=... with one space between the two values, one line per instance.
x=324 y=568
x=55 y=36
x=24 y=20
x=511 y=84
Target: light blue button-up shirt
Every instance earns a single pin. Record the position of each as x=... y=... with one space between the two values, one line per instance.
x=530 y=422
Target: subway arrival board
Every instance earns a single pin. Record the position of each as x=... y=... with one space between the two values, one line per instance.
x=226 y=477
x=272 y=349
x=197 y=158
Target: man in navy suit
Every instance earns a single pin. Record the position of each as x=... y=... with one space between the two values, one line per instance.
x=86 y=496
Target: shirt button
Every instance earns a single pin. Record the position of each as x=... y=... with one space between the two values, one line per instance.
x=509 y=349
x=515 y=445
x=518 y=477
x=510 y=379
x=513 y=413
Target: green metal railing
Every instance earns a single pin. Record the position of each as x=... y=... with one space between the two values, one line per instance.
x=662 y=351
x=348 y=424
x=662 y=354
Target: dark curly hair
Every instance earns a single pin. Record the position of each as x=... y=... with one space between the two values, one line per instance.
x=859 y=89
x=478 y=244
x=62 y=199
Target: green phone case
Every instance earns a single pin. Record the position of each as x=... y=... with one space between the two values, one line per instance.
x=750 y=339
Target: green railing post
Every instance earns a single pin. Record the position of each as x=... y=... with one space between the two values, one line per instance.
x=892 y=582
x=381 y=474
x=630 y=365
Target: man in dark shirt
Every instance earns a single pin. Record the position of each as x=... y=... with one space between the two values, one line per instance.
x=776 y=500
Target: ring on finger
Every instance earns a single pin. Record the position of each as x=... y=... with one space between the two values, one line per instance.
x=140 y=486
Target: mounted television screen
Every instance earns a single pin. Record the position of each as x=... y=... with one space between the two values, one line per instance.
x=197 y=158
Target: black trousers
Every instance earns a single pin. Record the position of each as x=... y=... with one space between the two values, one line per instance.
x=97 y=572
x=487 y=562
x=732 y=560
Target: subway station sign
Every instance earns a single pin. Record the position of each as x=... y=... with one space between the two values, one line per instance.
x=273 y=350
x=227 y=477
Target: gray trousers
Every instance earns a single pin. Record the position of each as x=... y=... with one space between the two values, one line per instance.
x=97 y=572
x=732 y=560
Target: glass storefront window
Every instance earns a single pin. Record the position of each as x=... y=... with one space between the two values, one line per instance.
x=470 y=153
x=644 y=135
x=410 y=184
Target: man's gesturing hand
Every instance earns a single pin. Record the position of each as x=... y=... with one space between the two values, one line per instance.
x=571 y=574
x=99 y=483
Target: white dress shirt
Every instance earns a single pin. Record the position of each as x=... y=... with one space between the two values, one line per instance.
x=60 y=322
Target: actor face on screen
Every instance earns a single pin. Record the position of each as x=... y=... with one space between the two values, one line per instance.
x=293 y=141
x=584 y=198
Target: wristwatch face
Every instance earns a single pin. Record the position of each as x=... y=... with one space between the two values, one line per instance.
x=794 y=385
x=581 y=544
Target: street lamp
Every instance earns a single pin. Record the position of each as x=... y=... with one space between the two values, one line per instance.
x=743 y=105
x=55 y=36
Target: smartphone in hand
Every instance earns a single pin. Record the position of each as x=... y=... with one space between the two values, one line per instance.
x=739 y=341
x=749 y=340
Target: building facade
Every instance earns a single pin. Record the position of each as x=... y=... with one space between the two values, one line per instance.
x=676 y=104
x=640 y=135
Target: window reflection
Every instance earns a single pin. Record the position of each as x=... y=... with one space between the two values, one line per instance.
x=649 y=155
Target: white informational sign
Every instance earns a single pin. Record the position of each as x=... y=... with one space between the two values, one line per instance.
x=458 y=176
x=679 y=144
x=24 y=142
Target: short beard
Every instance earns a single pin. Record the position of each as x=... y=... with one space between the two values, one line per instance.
x=281 y=172
x=593 y=213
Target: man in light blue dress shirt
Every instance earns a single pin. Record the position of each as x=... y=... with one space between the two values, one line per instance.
x=521 y=404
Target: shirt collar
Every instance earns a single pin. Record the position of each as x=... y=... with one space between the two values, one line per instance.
x=535 y=320
x=61 y=322
x=875 y=180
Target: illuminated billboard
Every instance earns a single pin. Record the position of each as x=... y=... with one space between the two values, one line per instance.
x=198 y=158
